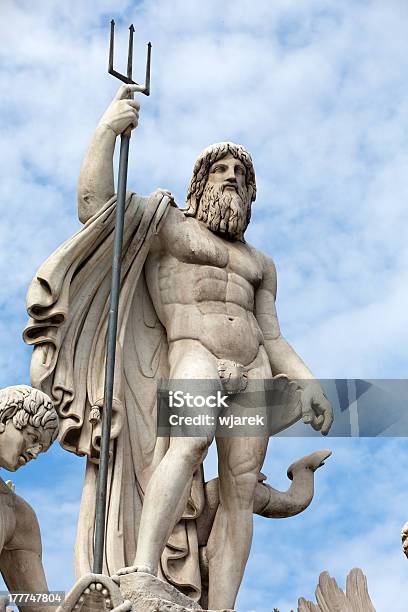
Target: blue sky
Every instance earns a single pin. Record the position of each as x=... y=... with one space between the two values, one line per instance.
x=316 y=90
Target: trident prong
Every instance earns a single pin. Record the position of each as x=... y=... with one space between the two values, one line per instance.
x=145 y=89
x=130 y=51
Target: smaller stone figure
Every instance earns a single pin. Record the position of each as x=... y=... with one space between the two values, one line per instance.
x=404 y=539
x=28 y=427
x=329 y=596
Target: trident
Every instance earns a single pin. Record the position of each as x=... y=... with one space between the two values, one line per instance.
x=114 y=302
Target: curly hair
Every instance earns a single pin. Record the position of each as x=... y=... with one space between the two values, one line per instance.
x=25 y=405
x=202 y=167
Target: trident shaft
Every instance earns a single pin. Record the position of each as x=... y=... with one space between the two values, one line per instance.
x=114 y=302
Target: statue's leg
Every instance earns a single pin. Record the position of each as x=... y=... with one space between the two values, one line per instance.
x=169 y=487
x=239 y=462
x=166 y=498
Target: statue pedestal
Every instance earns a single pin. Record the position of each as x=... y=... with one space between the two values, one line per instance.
x=138 y=592
x=150 y=594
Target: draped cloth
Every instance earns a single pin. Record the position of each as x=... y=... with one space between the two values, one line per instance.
x=68 y=302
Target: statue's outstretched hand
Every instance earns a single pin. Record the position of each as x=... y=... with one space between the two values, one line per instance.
x=122 y=112
x=316 y=408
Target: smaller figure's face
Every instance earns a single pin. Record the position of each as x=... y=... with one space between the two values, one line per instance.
x=19 y=446
x=229 y=172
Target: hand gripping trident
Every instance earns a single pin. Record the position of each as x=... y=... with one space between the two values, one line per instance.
x=114 y=303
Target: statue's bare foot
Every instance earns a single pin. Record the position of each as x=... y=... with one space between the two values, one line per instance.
x=140 y=567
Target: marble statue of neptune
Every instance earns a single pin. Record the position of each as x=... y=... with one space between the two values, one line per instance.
x=197 y=302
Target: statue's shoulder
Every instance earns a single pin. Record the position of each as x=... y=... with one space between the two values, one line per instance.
x=175 y=219
x=26 y=534
x=160 y=200
x=6 y=492
x=264 y=260
x=24 y=512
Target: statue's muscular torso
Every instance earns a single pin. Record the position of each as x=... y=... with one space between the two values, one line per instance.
x=203 y=288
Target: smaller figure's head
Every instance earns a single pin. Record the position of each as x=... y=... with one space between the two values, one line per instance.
x=28 y=425
x=222 y=189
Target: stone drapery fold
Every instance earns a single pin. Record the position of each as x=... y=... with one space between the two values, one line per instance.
x=68 y=302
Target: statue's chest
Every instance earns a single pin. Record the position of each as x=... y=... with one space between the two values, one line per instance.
x=189 y=242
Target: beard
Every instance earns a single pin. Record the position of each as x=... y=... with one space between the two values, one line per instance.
x=225 y=212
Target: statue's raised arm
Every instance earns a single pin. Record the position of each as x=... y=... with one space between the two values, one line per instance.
x=96 y=183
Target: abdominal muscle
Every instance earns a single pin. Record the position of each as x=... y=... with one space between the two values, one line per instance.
x=226 y=336
x=206 y=303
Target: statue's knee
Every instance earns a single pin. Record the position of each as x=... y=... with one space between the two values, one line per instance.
x=195 y=450
x=245 y=483
x=239 y=483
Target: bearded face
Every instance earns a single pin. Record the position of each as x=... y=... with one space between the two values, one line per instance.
x=225 y=209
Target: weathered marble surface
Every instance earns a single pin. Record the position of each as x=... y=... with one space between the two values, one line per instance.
x=150 y=594
x=138 y=592
x=95 y=593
